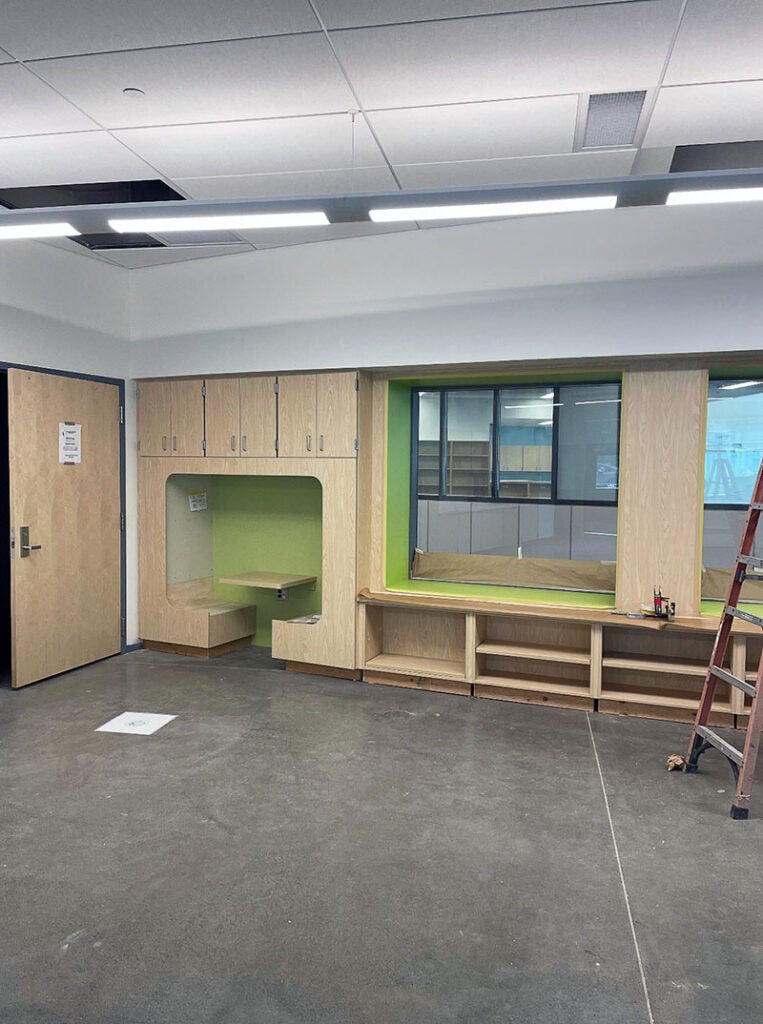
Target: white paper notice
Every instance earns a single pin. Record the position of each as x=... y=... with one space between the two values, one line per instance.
x=197 y=501
x=70 y=443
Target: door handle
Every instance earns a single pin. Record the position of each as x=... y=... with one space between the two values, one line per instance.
x=233 y=442
x=174 y=443
x=25 y=546
x=320 y=443
x=164 y=443
x=243 y=442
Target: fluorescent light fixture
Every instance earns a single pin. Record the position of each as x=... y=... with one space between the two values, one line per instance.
x=472 y=211
x=714 y=195
x=224 y=222
x=739 y=384
x=54 y=229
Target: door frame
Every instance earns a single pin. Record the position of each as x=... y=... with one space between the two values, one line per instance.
x=119 y=383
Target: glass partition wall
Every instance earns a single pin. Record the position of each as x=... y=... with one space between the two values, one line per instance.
x=523 y=472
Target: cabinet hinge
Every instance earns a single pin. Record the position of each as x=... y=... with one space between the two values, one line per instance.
x=357 y=446
x=122 y=521
x=203 y=390
x=275 y=386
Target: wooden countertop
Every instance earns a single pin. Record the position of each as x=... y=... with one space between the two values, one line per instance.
x=268 y=580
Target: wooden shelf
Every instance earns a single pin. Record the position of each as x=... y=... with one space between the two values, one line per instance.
x=674 y=666
x=267 y=580
x=538 y=652
x=533 y=684
x=408 y=664
x=664 y=700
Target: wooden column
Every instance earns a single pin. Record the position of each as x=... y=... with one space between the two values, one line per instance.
x=662 y=445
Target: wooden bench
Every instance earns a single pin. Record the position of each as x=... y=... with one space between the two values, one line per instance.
x=214 y=626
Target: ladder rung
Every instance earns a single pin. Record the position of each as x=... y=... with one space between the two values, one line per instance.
x=741 y=684
x=720 y=744
x=737 y=613
x=751 y=561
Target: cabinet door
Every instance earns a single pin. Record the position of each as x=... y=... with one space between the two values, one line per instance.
x=296 y=416
x=258 y=417
x=337 y=418
x=221 y=417
x=187 y=401
x=154 y=417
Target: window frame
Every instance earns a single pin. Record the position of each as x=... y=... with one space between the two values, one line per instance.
x=495 y=497
x=713 y=505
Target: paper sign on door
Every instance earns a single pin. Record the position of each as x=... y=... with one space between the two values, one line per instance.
x=70 y=443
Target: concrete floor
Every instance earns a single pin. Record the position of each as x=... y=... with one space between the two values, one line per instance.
x=298 y=849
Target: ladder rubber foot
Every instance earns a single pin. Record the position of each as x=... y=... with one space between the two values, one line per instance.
x=740 y=813
x=691 y=769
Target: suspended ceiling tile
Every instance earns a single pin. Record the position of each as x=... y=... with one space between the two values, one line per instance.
x=472 y=131
x=252 y=147
x=356 y=13
x=718 y=42
x=273 y=238
x=52 y=28
x=304 y=183
x=70 y=159
x=135 y=259
x=583 y=49
x=29 y=107
x=253 y=78
x=519 y=170
x=696 y=114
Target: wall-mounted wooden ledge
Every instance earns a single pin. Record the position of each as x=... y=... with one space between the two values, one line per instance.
x=268 y=580
x=437 y=602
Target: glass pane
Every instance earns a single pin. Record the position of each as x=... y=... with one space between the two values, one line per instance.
x=469 y=462
x=734 y=443
x=429 y=443
x=587 y=461
x=526 y=437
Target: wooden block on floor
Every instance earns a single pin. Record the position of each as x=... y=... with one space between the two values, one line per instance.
x=556 y=700
x=198 y=652
x=323 y=670
x=413 y=682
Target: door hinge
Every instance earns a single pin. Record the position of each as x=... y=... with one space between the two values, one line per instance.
x=122 y=521
x=275 y=386
x=121 y=414
x=13 y=542
x=357 y=446
x=123 y=623
x=203 y=390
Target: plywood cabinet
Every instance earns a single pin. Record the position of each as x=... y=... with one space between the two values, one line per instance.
x=258 y=417
x=317 y=415
x=337 y=414
x=222 y=417
x=171 y=417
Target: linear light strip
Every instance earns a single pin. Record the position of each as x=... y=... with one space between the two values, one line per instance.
x=714 y=195
x=473 y=211
x=225 y=222
x=54 y=229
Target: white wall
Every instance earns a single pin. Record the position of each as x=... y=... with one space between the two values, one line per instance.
x=638 y=281
x=63 y=311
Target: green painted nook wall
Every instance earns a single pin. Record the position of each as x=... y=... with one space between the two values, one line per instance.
x=398 y=497
x=272 y=524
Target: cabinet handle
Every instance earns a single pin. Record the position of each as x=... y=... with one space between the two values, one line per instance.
x=309 y=442
x=174 y=443
x=233 y=442
x=320 y=443
x=164 y=443
x=243 y=442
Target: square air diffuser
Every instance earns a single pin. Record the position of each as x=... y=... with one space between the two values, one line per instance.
x=612 y=118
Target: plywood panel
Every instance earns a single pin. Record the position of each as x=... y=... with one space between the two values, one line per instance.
x=368 y=544
x=296 y=416
x=221 y=417
x=65 y=596
x=337 y=414
x=661 y=488
x=187 y=417
x=258 y=417
x=154 y=417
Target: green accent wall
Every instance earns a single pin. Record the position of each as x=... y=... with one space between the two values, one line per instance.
x=398 y=497
x=273 y=524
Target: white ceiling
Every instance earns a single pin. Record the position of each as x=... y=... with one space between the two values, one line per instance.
x=247 y=99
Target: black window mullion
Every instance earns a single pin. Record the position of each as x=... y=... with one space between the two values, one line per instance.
x=443 y=440
x=555 y=445
x=495 y=489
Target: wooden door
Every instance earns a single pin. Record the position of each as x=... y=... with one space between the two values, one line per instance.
x=154 y=417
x=337 y=414
x=221 y=416
x=296 y=416
x=65 y=591
x=258 y=417
x=187 y=398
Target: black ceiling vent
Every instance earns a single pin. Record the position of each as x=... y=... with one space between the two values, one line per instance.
x=718 y=156
x=612 y=118
x=35 y=197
